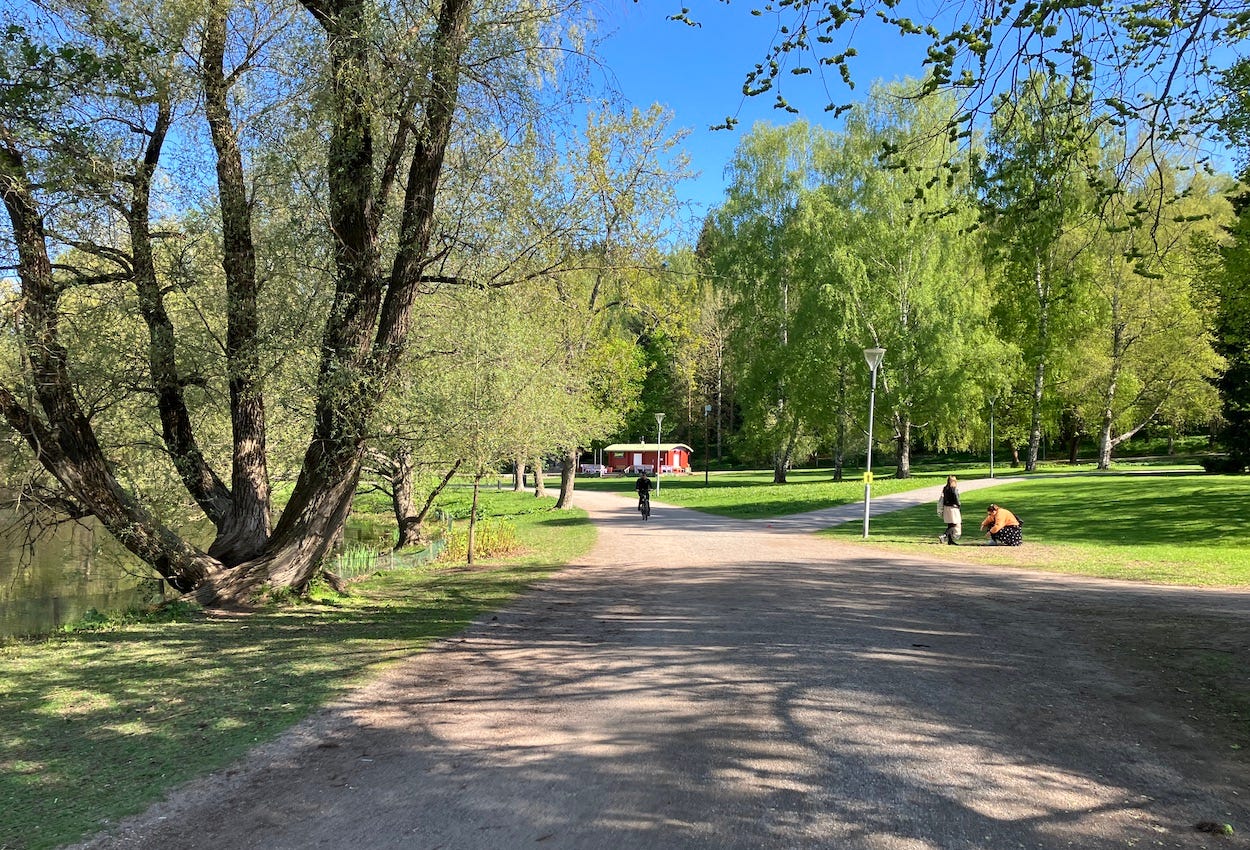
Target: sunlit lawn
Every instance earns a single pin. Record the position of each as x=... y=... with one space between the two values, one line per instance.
x=750 y=495
x=1176 y=525
x=98 y=724
x=1189 y=529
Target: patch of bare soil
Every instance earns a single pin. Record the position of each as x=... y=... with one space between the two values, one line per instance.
x=1199 y=665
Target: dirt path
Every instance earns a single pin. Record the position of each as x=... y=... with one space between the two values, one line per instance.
x=706 y=683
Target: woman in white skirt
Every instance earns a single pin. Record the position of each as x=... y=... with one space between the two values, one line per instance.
x=948 y=509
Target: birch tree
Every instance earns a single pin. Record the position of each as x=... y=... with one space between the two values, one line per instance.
x=1038 y=210
x=922 y=296
x=1230 y=279
x=1148 y=348
x=751 y=247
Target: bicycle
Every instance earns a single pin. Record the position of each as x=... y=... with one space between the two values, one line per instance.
x=644 y=505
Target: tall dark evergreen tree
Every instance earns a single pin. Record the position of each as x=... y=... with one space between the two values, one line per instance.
x=1232 y=318
x=1232 y=329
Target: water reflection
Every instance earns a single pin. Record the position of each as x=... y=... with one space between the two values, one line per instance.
x=76 y=567
x=63 y=574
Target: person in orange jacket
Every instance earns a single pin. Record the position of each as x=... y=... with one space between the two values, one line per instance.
x=1003 y=525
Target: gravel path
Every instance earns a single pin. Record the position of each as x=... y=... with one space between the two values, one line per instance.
x=698 y=682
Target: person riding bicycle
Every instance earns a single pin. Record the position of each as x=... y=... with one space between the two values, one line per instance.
x=643 y=487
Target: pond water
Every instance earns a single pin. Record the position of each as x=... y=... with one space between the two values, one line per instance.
x=65 y=573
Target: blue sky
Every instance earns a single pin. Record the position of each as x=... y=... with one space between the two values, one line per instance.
x=698 y=73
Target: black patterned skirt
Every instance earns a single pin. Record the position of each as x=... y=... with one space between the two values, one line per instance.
x=1009 y=536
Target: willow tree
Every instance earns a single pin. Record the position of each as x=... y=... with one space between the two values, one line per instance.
x=96 y=94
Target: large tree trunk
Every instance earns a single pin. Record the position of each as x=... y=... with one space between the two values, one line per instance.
x=403 y=500
x=244 y=532
x=78 y=463
x=67 y=446
x=369 y=320
x=199 y=479
x=903 y=444
x=518 y=475
x=540 y=479
x=304 y=534
x=568 y=473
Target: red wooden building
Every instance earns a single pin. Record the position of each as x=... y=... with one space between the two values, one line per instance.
x=632 y=458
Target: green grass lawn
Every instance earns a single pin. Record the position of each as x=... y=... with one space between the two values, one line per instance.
x=100 y=723
x=752 y=495
x=1191 y=529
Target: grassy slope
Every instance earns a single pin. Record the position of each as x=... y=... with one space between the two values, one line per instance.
x=100 y=723
x=1179 y=529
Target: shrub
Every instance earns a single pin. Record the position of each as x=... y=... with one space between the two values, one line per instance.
x=492 y=539
x=1222 y=464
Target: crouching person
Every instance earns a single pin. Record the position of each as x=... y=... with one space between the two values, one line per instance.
x=1003 y=526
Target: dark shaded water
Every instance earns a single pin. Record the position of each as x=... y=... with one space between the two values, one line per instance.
x=62 y=575
x=65 y=574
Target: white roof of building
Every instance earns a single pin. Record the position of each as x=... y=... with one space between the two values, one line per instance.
x=646 y=447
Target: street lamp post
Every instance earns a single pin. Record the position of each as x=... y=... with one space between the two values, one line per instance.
x=707 y=408
x=873 y=357
x=659 y=418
